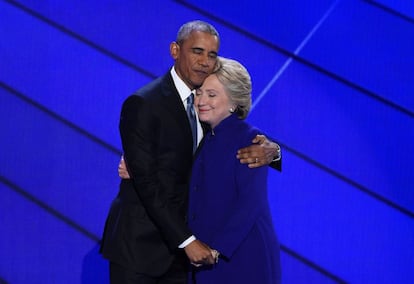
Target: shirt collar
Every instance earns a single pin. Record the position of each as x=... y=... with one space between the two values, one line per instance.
x=183 y=90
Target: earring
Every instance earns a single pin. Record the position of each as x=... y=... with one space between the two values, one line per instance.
x=231 y=110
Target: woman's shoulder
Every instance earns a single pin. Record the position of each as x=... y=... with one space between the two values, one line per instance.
x=247 y=130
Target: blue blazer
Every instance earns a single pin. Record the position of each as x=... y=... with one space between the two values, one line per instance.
x=229 y=210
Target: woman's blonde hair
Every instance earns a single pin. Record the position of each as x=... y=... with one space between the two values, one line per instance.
x=237 y=83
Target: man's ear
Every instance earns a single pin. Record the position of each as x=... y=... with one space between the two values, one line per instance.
x=174 y=50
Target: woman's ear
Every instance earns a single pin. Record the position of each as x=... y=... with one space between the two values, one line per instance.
x=233 y=108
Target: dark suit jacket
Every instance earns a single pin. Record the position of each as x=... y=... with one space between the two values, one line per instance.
x=146 y=223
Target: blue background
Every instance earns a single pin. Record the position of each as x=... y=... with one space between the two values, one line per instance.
x=333 y=83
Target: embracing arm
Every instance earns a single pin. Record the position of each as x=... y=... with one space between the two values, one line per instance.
x=262 y=152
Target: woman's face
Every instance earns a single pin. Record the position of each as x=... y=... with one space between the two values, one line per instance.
x=212 y=102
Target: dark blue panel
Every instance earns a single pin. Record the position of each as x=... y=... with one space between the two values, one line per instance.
x=284 y=23
x=69 y=77
x=36 y=247
x=297 y=272
x=339 y=228
x=56 y=164
x=140 y=40
x=69 y=59
x=145 y=43
x=138 y=31
x=63 y=74
x=349 y=133
x=369 y=47
x=403 y=7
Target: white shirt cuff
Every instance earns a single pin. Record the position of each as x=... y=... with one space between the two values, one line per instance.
x=187 y=242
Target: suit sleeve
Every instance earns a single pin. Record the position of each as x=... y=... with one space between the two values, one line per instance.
x=139 y=129
x=277 y=165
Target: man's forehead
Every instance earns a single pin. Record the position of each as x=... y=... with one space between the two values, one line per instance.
x=202 y=36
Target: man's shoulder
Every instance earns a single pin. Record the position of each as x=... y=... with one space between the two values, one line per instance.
x=156 y=86
x=153 y=92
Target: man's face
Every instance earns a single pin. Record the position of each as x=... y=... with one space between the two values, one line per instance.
x=195 y=58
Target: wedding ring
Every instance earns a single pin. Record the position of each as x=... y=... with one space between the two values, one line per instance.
x=257 y=160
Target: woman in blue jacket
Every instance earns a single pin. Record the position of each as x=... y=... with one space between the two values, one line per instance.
x=228 y=203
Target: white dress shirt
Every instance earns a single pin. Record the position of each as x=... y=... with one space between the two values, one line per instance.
x=184 y=91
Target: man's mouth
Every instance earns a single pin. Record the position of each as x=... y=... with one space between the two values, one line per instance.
x=201 y=72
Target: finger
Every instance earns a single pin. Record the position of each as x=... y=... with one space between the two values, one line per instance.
x=211 y=260
x=249 y=159
x=259 y=139
x=255 y=163
x=248 y=152
x=243 y=160
x=244 y=151
x=123 y=175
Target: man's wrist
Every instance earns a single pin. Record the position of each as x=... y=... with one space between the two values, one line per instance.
x=278 y=154
x=187 y=242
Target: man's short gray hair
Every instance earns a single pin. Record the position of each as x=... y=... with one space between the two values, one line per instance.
x=199 y=26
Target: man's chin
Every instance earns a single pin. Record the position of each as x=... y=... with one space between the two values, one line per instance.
x=199 y=80
x=197 y=84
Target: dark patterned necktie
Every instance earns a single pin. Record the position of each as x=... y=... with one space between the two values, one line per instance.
x=192 y=118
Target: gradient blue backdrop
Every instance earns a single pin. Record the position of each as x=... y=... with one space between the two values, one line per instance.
x=333 y=82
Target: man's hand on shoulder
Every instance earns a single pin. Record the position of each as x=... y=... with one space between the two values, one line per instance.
x=262 y=152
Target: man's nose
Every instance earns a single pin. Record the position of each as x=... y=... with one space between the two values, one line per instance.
x=204 y=60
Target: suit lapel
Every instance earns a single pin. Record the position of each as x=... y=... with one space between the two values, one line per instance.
x=172 y=103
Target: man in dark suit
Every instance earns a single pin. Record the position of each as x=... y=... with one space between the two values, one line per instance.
x=146 y=239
